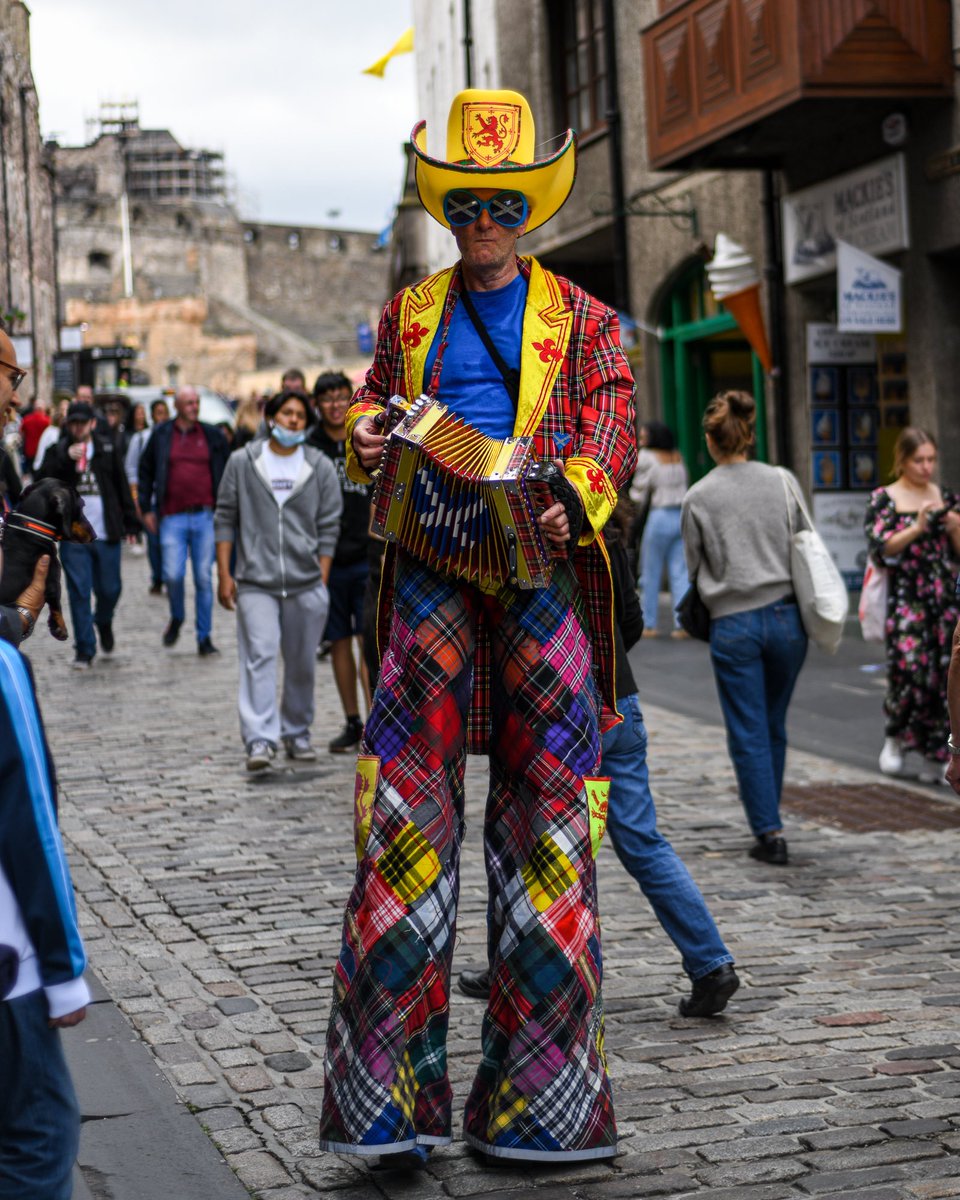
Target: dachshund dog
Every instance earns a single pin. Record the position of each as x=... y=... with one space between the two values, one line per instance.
x=47 y=513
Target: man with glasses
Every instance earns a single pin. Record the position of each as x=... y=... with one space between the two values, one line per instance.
x=523 y=676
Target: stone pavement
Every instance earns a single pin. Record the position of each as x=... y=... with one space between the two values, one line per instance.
x=211 y=905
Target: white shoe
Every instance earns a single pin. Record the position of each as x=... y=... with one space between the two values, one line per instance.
x=300 y=749
x=259 y=756
x=891 y=757
x=933 y=772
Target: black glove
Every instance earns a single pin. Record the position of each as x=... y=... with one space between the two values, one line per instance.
x=558 y=489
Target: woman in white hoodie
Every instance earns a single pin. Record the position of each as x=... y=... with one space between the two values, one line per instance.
x=280 y=501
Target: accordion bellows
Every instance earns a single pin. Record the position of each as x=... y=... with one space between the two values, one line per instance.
x=463 y=503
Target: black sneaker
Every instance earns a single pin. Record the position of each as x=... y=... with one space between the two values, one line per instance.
x=710 y=993
x=349 y=738
x=106 y=638
x=172 y=632
x=771 y=848
x=206 y=648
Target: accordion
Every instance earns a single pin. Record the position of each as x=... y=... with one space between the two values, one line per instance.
x=463 y=503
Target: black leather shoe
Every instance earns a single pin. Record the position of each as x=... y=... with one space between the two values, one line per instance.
x=474 y=983
x=172 y=632
x=770 y=848
x=106 y=638
x=206 y=648
x=710 y=993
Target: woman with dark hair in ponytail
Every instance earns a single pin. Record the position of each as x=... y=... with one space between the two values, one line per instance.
x=737 y=523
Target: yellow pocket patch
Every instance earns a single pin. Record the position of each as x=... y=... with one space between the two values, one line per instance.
x=598 y=794
x=364 y=792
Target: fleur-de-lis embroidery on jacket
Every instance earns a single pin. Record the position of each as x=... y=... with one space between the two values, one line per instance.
x=415 y=335
x=595 y=475
x=549 y=350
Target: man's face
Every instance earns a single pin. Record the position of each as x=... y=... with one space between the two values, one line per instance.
x=80 y=430
x=333 y=406
x=293 y=383
x=85 y=393
x=187 y=405
x=484 y=245
x=160 y=413
x=10 y=379
x=113 y=414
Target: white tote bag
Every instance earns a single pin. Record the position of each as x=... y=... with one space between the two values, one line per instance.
x=872 y=609
x=821 y=593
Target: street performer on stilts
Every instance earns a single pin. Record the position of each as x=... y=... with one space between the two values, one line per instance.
x=524 y=676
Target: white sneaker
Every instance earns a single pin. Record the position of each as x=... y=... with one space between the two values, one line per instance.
x=259 y=756
x=891 y=757
x=933 y=772
x=300 y=749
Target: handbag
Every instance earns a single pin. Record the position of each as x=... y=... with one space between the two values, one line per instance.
x=872 y=609
x=821 y=593
x=693 y=614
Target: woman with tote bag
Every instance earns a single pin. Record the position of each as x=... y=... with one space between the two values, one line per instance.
x=738 y=526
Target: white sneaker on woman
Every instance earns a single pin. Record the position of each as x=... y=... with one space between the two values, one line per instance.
x=891 y=757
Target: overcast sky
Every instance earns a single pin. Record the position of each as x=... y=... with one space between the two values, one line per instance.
x=276 y=86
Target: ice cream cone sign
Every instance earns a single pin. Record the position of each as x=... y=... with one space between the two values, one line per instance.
x=735 y=282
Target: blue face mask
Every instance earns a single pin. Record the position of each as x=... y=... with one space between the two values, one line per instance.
x=288 y=437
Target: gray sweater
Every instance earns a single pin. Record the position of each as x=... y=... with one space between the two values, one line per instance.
x=736 y=537
x=278 y=547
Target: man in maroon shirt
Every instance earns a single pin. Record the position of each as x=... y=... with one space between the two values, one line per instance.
x=179 y=474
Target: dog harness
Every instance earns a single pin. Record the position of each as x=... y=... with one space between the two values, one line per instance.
x=32 y=525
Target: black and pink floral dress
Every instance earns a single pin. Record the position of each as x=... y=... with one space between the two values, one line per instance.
x=921 y=615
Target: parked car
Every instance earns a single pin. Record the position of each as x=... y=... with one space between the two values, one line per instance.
x=214 y=409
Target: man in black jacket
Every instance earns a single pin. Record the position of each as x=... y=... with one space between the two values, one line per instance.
x=348 y=575
x=90 y=462
x=180 y=471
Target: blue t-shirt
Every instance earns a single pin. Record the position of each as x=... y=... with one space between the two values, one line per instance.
x=470 y=384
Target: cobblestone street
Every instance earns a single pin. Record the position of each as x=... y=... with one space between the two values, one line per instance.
x=211 y=905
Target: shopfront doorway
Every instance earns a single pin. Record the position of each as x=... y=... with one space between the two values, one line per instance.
x=702 y=352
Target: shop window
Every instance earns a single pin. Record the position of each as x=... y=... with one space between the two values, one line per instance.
x=578 y=65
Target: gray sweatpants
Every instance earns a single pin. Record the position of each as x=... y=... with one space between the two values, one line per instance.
x=268 y=626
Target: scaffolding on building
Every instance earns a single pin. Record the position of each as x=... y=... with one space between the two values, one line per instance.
x=157 y=166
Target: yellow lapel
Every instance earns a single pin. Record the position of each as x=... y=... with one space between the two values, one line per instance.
x=421 y=310
x=546 y=335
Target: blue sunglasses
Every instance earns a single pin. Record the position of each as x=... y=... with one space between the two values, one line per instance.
x=508 y=209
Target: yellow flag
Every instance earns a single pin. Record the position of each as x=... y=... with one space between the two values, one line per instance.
x=404 y=45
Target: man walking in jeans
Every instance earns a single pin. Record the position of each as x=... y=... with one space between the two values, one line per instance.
x=180 y=472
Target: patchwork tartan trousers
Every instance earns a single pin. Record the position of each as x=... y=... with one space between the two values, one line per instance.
x=541 y=1091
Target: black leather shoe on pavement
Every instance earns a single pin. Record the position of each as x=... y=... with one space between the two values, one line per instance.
x=172 y=632
x=710 y=993
x=106 y=638
x=474 y=983
x=770 y=848
x=348 y=738
x=206 y=648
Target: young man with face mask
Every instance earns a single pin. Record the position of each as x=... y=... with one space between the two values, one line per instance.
x=279 y=500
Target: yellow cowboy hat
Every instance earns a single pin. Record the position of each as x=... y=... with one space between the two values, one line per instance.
x=490 y=144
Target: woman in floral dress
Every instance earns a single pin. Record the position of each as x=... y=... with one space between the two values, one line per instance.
x=913 y=528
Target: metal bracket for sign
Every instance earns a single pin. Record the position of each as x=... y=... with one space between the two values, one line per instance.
x=634 y=207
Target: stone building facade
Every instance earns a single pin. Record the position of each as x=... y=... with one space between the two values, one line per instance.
x=28 y=301
x=202 y=294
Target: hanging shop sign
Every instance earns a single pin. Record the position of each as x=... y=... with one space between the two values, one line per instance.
x=866 y=208
x=869 y=293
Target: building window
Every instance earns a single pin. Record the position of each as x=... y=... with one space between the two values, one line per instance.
x=579 y=69
x=293 y=241
x=98 y=260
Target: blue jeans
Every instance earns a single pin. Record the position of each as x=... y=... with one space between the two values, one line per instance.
x=182 y=534
x=662 y=544
x=757 y=656
x=39 y=1119
x=94 y=567
x=648 y=856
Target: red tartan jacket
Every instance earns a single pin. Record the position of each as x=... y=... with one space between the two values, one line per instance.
x=576 y=401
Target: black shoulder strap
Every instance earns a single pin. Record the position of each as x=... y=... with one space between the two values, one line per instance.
x=510 y=375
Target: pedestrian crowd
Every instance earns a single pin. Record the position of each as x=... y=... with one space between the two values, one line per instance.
x=434 y=658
